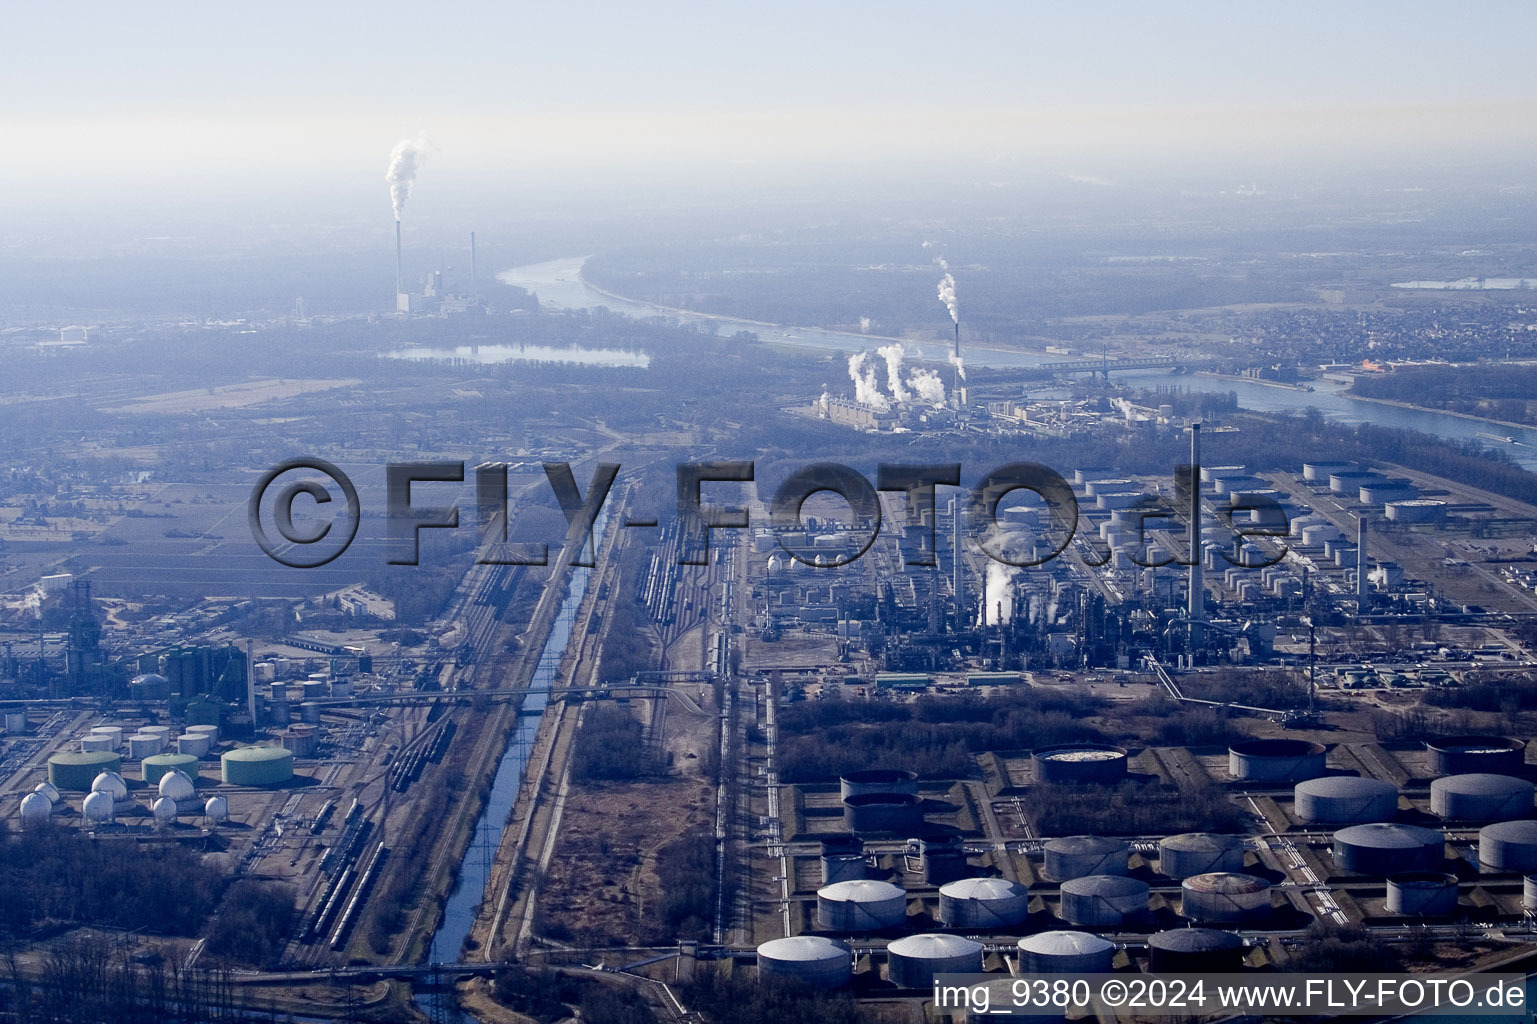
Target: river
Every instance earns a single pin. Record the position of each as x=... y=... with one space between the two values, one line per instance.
x=470 y=888
x=558 y=283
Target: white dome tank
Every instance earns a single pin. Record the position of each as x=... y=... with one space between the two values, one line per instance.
x=175 y=785
x=112 y=784
x=913 y=960
x=49 y=790
x=35 y=809
x=812 y=960
x=164 y=810
x=216 y=809
x=1065 y=952
x=98 y=807
x=861 y=905
x=983 y=904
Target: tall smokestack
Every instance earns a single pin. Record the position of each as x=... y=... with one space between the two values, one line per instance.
x=959 y=580
x=1197 y=606
x=1362 y=564
x=397 y=263
x=474 y=293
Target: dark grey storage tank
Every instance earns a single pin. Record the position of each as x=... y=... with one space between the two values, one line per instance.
x=1388 y=848
x=878 y=780
x=900 y=813
x=1079 y=764
x=1276 y=760
x=1195 y=951
x=1462 y=755
x=1481 y=797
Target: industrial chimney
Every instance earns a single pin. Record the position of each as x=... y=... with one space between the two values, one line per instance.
x=401 y=304
x=1362 y=566
x=1197 y=604
x=959 y=579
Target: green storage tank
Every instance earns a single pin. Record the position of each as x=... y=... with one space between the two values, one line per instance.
x=157 y=765
x=76 y=770
x=257 y=766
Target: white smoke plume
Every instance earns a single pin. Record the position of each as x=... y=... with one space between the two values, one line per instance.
x=864 y=325
x=998 y=599
x=405 y=160
x=959 y=364
x=866 y=390
x=32 y=602
x=927 y=244
x=893 y=355
x=822 y=403
x=927 y=386
x=947 y=295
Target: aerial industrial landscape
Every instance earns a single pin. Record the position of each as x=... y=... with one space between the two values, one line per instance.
x=630 y=602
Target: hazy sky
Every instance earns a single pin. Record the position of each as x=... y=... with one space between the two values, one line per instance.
x=107 y=97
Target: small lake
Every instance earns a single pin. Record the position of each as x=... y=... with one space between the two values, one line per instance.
x=487 y=355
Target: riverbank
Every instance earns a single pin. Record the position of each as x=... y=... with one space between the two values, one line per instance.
x=1439 y=412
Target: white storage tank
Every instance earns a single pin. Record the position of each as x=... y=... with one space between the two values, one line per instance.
x=90 y=743
x=15 y=723
x=142 y=745
x=47 y=789
x=35 y=809
x=811 y=960
x=1102 y=901
x=1078 y=856
x=983 y=904
x=1345 y=798
x=1065 y=952
x=1529 y=893
x=1481 y=797
x=163 y=731
x=97 y=808
x=913 y=960
x=861 y=905
x=195 y=744
x=112 y=784
x=212 y=731
x=111 y=732
x=174 y=785
x=1197 y=853
x=216 y=809
x=1225 y=897
x=164 y=810
x=1508 y=846
x=1422 y=894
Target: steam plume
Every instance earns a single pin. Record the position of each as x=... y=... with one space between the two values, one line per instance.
x=947 y=295
x=866 y=390
x=998 y=602
x=959 y=364
x=864 y=325
x=893 y=355
x=405 y=160
x=927 y=386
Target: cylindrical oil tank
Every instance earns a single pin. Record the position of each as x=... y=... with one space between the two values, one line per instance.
x=843 y=859
x=1529 y=892
x=1079 y=764
x=1481 y=797
x=1422 y=894
x=1195 y=950
x=1276 y=760
x=15 y=723
x=1065 y=952
x=76 y=771
x=144 y=744
x=301 y=740
x=257 y=766
x=1508 y=846
x=1345 y=798
x=944 y=860
x=983 y=904
x=96 y=743
x=878 y=780
x=860 y=906
x=811 y=960
x=314 y=689
x=154 y=768
x=194 y=744
x=913 y=960
x=111 y=732
x=163 y=731
x=1225 y=897
x=341 y=687
x=1388 y=848
x=309 y=712
x=211 y=730
x=883 y=812
x=1463 y=755
x=1077 y=856
x=1102 y=901
x=1196 y=853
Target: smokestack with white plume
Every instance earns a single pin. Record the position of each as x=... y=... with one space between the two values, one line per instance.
x=893 y=355
x=866 y=390
x=405 y=160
